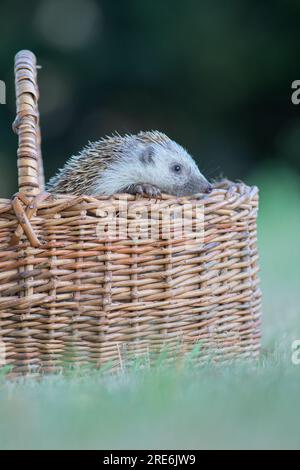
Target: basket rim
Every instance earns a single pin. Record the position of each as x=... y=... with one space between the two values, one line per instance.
x=219 y=187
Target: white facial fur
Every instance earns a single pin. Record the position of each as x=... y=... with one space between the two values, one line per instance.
x=153 y=163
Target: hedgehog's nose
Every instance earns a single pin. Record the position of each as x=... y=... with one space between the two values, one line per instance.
x=208 y=188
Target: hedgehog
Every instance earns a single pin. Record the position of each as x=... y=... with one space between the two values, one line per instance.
x=148 y=163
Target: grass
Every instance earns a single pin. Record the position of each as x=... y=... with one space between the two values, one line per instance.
x=242 y=405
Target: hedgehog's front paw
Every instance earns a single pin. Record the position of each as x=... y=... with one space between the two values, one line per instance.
x=145 y=189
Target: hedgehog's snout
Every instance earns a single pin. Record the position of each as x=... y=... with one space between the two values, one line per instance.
x=203 y=186
x=209 y=188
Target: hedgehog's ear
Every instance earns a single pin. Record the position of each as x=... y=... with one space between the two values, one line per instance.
x=147 y=155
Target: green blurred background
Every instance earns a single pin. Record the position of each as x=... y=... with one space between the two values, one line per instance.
x=213 y=75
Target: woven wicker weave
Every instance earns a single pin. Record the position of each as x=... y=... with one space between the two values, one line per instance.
x=68 y=293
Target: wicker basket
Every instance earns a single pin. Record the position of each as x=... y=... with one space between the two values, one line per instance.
x=70 y=293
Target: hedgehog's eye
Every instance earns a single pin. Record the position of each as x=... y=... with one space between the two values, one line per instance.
x=177 y=168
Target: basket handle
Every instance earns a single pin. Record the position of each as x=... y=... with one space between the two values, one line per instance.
x=26 y=125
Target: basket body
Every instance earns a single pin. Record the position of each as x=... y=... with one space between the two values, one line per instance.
x=89 y=297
